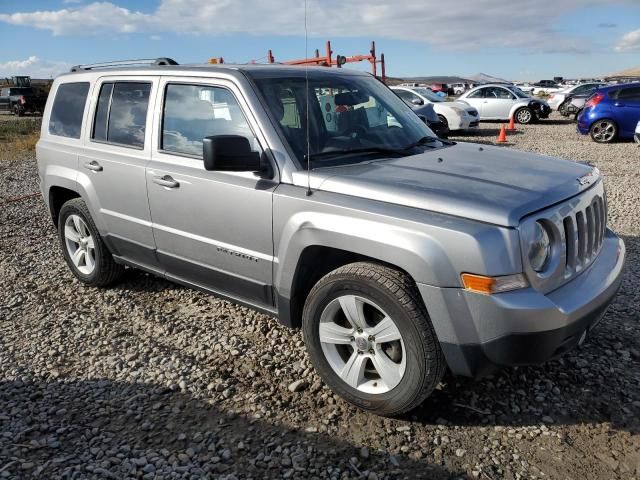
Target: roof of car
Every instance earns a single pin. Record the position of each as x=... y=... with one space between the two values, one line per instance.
x=253 y=70
x=616 y=86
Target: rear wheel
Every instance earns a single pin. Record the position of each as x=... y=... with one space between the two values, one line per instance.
x=524 y=115
x=370 y=338
x=84 y=251
x=604 y=131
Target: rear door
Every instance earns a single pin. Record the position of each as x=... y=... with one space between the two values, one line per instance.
x=213 y=229
x=112 y=165
x=627 y=110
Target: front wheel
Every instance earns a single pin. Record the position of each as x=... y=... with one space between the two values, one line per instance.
x=604 y=131
x=371 y=340
x=524 y=115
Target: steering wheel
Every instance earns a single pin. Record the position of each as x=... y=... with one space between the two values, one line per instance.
x=357 y=131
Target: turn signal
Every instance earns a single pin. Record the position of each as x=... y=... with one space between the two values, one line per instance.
x=489 y=285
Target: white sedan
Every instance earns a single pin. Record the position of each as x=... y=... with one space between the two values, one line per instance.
x=455 y=115
x=501 y=102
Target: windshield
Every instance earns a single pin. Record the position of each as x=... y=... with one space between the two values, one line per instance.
x=351 y=118
x=425 y=92
x=518 y=93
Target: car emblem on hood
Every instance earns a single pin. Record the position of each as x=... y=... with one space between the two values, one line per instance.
x=589 y=178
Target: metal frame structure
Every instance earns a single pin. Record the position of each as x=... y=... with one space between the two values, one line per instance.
x=329 y=61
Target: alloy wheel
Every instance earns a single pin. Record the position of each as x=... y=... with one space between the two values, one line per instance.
x=362 y=344
x=80 y=244
x=603 y=131
x=524 y=116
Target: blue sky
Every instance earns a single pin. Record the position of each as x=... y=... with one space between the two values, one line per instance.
x=516 y=39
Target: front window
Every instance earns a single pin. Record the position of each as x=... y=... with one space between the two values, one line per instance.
x=350 y=118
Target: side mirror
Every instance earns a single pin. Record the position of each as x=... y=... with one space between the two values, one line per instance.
x=229 y=153
x=417 y=101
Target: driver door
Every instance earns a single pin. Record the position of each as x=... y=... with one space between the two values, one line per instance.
x=213 y=229
x=497 y=103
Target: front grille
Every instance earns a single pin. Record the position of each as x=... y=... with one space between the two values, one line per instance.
x=473 y=113
x=583 y=233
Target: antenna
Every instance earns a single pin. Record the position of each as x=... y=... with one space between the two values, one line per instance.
x=306 y=87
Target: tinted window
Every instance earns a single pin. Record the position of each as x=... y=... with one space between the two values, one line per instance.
x=68 y=108
x=477 y=94
x=192 y=112
x=407 y=96
x=498 y=92
x=102 y=113
x=128 y=113
x=630 y=93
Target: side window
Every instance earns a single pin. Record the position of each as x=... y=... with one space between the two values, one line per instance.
x=632 y=93
x=100 y=123
x=68 y=109
x=193 y=112
x=500 y=93
x=406 y=95
x=477 y=94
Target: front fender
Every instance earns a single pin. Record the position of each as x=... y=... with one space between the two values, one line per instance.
x=433 y=248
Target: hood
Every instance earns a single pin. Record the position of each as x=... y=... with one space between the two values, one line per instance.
x=489 y=184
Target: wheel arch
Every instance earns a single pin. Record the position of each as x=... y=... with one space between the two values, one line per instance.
x=58 y=196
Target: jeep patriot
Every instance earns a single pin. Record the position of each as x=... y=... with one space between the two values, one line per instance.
x=317 y=196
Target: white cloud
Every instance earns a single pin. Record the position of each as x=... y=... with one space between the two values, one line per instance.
x=460 y=25
x=34 y=67
x=630 y=42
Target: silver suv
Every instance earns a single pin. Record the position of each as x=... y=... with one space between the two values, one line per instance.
x=318 y=197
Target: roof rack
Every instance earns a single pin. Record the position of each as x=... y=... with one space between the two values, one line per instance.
x=126 y=63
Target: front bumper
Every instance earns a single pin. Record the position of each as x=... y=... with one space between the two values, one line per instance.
x=481 y=333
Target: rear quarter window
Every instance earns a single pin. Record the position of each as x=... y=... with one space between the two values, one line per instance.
x=68 y=109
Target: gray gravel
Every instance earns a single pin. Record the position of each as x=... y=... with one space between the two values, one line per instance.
x=151 y=380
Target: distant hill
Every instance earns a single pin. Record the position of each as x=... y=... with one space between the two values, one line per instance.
x=629 y=72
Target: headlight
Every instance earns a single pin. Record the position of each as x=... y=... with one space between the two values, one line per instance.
x=540 y=249
x=459 y=111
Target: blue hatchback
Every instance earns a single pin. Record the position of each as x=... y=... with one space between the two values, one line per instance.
x=611 y=112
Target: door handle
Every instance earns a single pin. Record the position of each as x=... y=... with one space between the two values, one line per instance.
x=166 y=181
x=619 y=104
x=93 y=166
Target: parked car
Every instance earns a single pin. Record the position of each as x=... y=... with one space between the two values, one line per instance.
x=442 y=88
x=556 y=99
x=612 y=112
x=636 y=137
x=501 y=102
x=455 y=115
x=20 y=100
x=398 y=254
x=546 y=86
x=459 y=88
x=428 y=114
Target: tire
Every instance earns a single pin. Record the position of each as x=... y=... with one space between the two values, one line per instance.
x=443 y=119
x=95 y=266
x=414 y=363
x=524 y=115
x=603 y=131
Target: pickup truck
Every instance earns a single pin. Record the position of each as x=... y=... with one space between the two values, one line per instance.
x=20 y=100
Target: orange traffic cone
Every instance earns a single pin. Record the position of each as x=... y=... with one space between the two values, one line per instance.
x=512 y=125
x=502 y=136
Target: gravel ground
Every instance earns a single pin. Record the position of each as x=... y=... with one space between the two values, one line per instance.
x=151 y=380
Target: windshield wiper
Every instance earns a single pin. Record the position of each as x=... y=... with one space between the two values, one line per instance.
x=356 y=151
x=380 y=150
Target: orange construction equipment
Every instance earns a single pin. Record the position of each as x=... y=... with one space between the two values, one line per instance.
x=512 y=125
x=328 y=61
x=502 y=136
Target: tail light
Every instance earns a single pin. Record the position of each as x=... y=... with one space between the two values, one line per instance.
x=21 y=100
x=594 y=100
